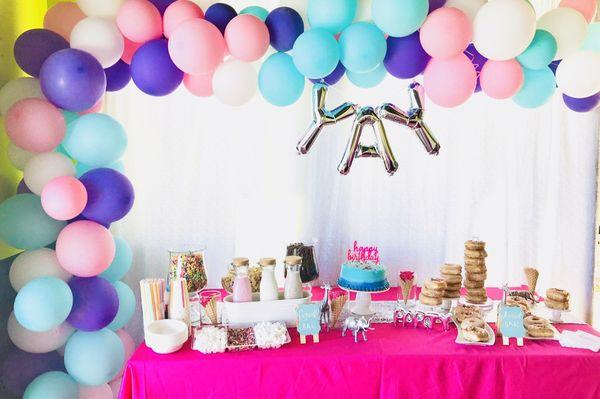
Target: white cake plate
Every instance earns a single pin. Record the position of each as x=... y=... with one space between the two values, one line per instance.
x=556 y=314
x=362 y=303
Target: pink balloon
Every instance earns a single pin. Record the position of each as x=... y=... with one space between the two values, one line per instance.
x=446 y=32
x=64 y=197
x=35 y=125
x=85 y=248
x=179 y=12
x=62 y=18
x=196 y=46
x=247 y=37
x=139 y=21
x=199 y=85
x=450 y=82
x=587 y=8
x=95 y=392
x=115 y=387
x=501 y=79
x=129 y=345
x=130 y=49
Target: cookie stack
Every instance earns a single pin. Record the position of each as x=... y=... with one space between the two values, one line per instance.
x=476 y=272
x=432 y=292
x=452 y=274
x=557 y=299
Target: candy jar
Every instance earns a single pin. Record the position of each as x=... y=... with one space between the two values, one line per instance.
x=188 y=264
x=268 y=284
x=293 y=282
x=242 y=290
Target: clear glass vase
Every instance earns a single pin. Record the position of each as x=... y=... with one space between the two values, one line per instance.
x=188 y=264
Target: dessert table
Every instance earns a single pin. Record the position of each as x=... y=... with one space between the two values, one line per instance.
x=395 y=362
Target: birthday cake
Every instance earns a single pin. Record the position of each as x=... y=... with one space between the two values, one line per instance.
x=362 y=271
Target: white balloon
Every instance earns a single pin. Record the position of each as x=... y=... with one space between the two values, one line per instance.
x=469 y=7
x=503 y=28
x=568 y=27
x=578 y=74
x=17 y=156
x=99 y=37
x=38 y=342
x=44 y=167
x=18 y=89
x=36 y=263
x=95 y=392
x=234 y=82
x=100 y=8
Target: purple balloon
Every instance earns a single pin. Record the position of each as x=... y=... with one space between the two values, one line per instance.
x=285 y=25
x=475 y=56
x=435 y=4
x=110 y=195
x=162 y=5
x=95 y=303
x=219 y=14
x=19 y=368
x=22 y=188
x=553 y=65
x=584 y=104
x=34 y=46
x=405 y=57
x=333 y=77
x=117 y=76
x=73 y=80
x=153 y=71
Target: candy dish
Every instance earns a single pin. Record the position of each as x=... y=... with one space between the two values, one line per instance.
x=166 y=336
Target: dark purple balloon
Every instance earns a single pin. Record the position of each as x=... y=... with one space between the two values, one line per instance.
x=34 y=46
x=110 y=195
x=584 y=104
x=476 y=58
x=153 y=71
x=19 y=368
x=553 y=65
x=95 y=303
x=405 y=57
x=73 y=80
x=22 y=188
x=162 y=5
x=219 y=14
x=285 y=25
x=333 y=77
x=435 y=4
x=477 y=85
x=117 y=76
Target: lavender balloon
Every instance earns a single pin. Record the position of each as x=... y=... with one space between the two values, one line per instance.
x=153 y=71
x=162 y=5
x=585 y=104
x=110 y=195
x=435 y=4
x=117 y=76
x=34 y=46
x=405 y=57
x=333 y=77
x=19 y=368
x=219 y=14
x=95 y=303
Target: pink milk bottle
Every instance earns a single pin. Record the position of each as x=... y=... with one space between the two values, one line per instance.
x=242 y=290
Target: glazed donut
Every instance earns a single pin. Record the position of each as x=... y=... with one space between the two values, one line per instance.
x=474 y=261
x=516 y=299
x=558 y=295
x=436 y=284
x=462 y=312
x=451 y=269
x=472 y=322
x=480 y=300
x=534 y=320
x=540 y=331
x=453 y=286
x=429 y=301
x=477 y=276
x=432 y=293
x=476 y=292
x=475 y=334
x=451 y=278
x=556 y=305
x=473 y=284
x=475 y=253
x=452 y=294
x=475 y=245
x=475 y=268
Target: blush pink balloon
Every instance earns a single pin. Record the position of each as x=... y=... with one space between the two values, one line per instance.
x=35 y=125
x=95 y=392
x=446 y=32
x=85 y=248
x=129 y=345
x=62 y=18
x=587 y=8
x=115 y=387
x=95 y=108
x=450 y=82
x=501 y=79
x=199 y=85
x=179 y=12
x=64 y=197
x=196 y=46
x=130 y=49
x=139 y=21
x=247 y=38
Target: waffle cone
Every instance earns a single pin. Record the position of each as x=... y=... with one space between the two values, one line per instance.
x=337 y=305
x=405 y=286
x=531 y=275
x=211 y=311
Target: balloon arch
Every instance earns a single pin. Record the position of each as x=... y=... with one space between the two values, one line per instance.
x=73 y=188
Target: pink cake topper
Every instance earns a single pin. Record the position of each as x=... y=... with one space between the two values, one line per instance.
x=363 y=254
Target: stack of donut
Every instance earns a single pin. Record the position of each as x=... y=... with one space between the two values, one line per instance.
x=452 y=274
x=557 y=299
x=519 y=301
x=471 y=323
x=476 y=272
x=432 y=292
x=538 y=327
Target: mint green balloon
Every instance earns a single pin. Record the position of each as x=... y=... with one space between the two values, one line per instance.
x=70 y=116
x=592 y=40
x=363 y=47
x=541 y=51
x=121 y=263
x=368 y=79
x=538 y=87
x=331 y=15
x=279 y=81
x=52 y=385
x=399 y=18
x=43 y=304
x=257 y=11
x=81 y=168
x=126 y=306
x=25 y=225
x=316 y=53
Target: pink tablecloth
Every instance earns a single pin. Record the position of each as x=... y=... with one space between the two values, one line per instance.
x=396 y=362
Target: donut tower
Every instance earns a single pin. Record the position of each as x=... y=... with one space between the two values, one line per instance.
x=476 y=271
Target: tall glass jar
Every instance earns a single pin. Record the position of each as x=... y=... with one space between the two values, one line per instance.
x=268 y=284
x=188 y=264
x=293 y=282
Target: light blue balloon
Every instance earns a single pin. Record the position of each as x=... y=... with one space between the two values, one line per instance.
x=363 y=47
x=538 y=87
x=368 y=79
x=43 y=303
x=126 y=306
x=96 y=140
x=592 y=40
x=279 y=81
x=81 y=168
x=257 y=11
x=332 y=15
x=316 y=53
x=541 y=51
x=399 y=18
x=121 y=263
x=52 y=385
x=25 y=225
x=94 y=358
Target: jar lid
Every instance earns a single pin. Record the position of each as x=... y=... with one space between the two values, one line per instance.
x=293 y=260
x=267 y=262
x=240 y=262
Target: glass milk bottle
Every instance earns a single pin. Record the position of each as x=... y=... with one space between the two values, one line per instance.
x=293 y=283
x=242 y=290
x=268 y=284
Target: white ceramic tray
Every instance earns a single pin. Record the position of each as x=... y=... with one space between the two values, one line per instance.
x=242 y=313
x=461 y=340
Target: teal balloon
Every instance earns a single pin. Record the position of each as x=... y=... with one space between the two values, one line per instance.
x=81 y=168
x=538 y=87
x=399 y=18
x=279 y=81
x=96 y=140
x=121 y=263
x=363 y=47
x=70 y=116
x=52 y=385
x=43 y=303
x=541 y=51
x=368 y=79
x=25 y=225
x=61 y=150
x=332 y=15
x=592 y=40
x=126 y=306
x=316 y=53
x=94 y=358
x=257 y=11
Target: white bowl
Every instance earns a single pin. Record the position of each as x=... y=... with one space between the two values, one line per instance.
x=166 y=336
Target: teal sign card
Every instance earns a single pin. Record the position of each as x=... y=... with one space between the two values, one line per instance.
x=309 y=319
x=511 y=322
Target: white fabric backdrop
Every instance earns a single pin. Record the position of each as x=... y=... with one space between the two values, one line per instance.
x=229 y=178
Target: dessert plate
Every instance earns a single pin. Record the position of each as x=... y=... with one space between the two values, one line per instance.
x=462 y=341
x=556 y=336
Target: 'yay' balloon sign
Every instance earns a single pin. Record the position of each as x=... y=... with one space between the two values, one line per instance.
x=368 y=116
